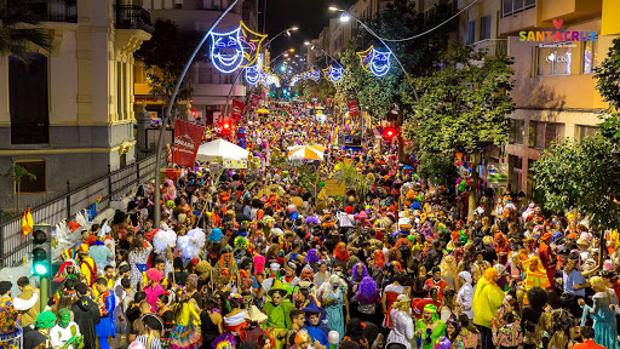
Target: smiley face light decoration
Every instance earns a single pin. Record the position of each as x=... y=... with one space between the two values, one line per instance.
x=236 y=48
x=333 y=74
x=252 y=75
x=375 y=61
x=314 y=75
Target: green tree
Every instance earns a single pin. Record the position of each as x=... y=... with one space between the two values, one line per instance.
x=346 y=172
x=582 y=175
x=440 y=170
x=464 y=105
x=20 y=41
x=608 y=85
x=164 y=57
x=18 y=174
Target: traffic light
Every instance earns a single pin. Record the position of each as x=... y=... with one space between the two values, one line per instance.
x=389 y=133
x=42 y=251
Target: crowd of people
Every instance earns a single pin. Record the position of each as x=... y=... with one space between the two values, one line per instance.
x=251 y=258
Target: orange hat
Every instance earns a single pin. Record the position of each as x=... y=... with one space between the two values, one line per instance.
x=546 y=237
x=84 y=248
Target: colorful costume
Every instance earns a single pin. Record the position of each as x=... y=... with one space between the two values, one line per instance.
x=604 y=319
x=429 y=334
x=187 y=335
x=107 y=325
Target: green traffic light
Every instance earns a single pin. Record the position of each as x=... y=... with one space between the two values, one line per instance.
x=40 y=269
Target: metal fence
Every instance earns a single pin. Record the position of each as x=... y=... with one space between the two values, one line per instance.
x=15 y=249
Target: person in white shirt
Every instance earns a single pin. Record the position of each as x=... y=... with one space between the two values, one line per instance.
x=66 y=333
x=465 y=295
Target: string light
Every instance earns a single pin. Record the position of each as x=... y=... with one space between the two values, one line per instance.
x=314 y=75
x=375 y=61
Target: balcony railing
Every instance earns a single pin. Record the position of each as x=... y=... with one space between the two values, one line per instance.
x=55 y=10
x=133 y=17
x=492 y=47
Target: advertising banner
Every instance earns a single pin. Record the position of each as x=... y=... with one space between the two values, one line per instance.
x=187 y=138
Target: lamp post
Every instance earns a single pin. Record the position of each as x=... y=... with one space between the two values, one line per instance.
x=168 y=112
x=312 y=47
x=287 y=31
x=346 y=16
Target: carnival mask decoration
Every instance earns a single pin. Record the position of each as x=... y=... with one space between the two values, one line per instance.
x=227 y=52
x=251 y=42
x=252 y=75
x=375 y=61
x=314 y=75
x=333 y=74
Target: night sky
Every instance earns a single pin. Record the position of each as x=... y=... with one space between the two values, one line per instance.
x=309 y=15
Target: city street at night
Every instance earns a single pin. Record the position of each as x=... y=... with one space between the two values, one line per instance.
x=307 y=174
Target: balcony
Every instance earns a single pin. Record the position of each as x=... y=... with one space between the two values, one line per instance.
x=492 y=47
x=568 y=10
x=55 y=10
x=133 y=17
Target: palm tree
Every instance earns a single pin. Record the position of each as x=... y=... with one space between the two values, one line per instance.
x=17 y=36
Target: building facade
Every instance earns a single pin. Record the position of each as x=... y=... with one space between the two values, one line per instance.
x=67 y=116
x=210 y=87
x=554 y=89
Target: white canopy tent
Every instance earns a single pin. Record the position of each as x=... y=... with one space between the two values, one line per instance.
x=222 y=151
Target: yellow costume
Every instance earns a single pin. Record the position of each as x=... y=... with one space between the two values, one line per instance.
x=487 y=299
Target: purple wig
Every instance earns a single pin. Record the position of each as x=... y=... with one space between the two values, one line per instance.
x=312 y=257
x=367 y=291
x=354 y=273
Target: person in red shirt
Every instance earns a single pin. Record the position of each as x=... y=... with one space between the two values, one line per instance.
x=587 y=334
x=436 y=281
x=547 y=257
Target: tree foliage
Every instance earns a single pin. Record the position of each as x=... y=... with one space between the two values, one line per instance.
x=20 y=41
x=165 y=56
x=582 y=175
x=464 y=105
x=608 y=76
x=345 y=171
x=437 y=168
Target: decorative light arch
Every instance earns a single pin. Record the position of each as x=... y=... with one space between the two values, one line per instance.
x=236 y=48
x=252 y=75
x=333 y=74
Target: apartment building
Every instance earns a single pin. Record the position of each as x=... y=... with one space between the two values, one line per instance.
x=67 y=116
x=210 y=87
x=555 y=90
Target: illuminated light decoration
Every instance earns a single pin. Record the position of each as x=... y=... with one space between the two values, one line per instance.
x=252 y=42
x=375 y=61
x=294 y=80
x=314 y=75
x=252 y=75
x=333 y=74
x=227 y=52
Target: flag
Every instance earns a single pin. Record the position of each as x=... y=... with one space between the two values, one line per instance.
x=237 y=109
x=27 y=223
x=187 y=138
x=354 y=108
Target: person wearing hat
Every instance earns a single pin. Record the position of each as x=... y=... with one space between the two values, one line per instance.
x=547 y=257
x=40 y=338
x=278 y=310
x=402 y=323
x=488 y=297
x=317 y=332
x=88 y=267
x=429 y=328
x=253 y=332
x=66 y=333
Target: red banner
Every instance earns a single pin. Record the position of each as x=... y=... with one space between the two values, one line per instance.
x=187 y=138
x=237 y=109
x=354 y=108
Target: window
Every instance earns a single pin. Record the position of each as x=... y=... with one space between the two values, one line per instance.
x=582 y=131
x=513 y=6
x=32 y=185
x=28 y=100
x=517 y=128
x=588 y=57
x=536 y=135
x=485 y=27
x=554 y=60
x=515 y=164
x=554 y=132
x=531 y=181
x=471 y=32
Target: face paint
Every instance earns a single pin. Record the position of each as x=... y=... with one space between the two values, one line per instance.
x=226 y=51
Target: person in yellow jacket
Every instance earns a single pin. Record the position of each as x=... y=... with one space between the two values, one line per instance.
x=27 y=303
x=88 y=268
x=487 y=300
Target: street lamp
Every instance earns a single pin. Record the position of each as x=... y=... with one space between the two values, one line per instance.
x=287 y=31
x=346 y=16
